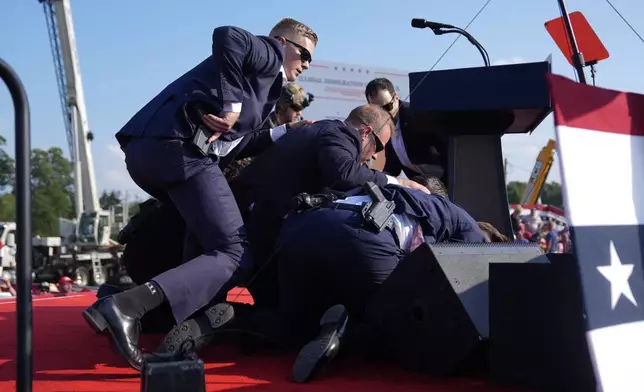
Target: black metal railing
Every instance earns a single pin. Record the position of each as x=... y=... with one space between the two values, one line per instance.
x=24 y=355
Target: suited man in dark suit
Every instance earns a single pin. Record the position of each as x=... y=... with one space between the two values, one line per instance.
x=328 y=154
x=286 y=116
x=230 y=93
x=414 y=149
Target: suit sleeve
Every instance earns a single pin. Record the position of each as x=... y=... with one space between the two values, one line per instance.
x=236 y=52
x=393 y=167
x=258 y=142
x=339 y=162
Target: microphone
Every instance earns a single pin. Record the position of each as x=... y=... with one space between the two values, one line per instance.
x=422 y=23
x=441 y=28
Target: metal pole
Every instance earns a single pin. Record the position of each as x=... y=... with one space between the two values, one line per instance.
x=577 y=57
x=23 y=219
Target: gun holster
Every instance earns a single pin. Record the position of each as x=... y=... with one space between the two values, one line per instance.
x=376 y=214
x=379 y=211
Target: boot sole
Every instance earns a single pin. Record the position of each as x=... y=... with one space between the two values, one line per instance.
x=200 y=330
x=332 y=325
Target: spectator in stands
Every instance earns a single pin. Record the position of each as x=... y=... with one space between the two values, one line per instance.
x=516 y=219
x=533 y=222
x=551 y=237
x=565 y=239
x=6 y=288
x=65 y=285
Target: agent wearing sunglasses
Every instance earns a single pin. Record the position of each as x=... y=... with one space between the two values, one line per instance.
x=413 y=150
x=225 y=97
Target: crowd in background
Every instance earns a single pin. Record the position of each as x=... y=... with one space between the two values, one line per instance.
x=535 y=228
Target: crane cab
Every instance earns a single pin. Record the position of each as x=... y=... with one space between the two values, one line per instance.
x=93 y=229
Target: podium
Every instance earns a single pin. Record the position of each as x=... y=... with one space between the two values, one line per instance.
x=474 y=108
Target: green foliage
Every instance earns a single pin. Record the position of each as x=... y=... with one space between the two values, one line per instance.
x=515 y=191
x=6 y=167
x=110 y=199
x=51 y=184
x=551 y=194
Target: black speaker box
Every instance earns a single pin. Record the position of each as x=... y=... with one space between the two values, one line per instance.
x=537 y=327
x=467 y=267
x=423 y=312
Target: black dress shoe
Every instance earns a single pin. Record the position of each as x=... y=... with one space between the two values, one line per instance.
x=122 y=330
x=94 y=318
x=198 y=331
x=324 y=348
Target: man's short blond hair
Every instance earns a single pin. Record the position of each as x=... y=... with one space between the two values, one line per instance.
x=290 y=27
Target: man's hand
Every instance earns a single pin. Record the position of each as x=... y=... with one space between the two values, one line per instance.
x=413 y=185
x=219 y=125
x=296 y=124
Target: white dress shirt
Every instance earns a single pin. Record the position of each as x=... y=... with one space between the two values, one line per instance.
x=223 y=148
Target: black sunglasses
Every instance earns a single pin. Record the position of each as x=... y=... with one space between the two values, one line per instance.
x=389 y=106
x=305 y=55
x=378 y=142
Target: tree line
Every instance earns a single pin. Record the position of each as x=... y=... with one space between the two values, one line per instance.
x=51 y=190
x=550 y=194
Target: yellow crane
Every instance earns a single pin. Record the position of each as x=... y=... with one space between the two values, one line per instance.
x=539 y=173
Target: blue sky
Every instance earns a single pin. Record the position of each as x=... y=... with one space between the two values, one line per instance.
x=129 y=50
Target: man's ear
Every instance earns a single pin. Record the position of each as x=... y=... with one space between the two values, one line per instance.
x=366 y=130
x=282 y=40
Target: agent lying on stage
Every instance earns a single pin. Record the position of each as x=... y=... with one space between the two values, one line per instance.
x=331 y=252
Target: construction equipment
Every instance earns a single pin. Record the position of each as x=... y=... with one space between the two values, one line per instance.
x=539 y=173
x=93 y=223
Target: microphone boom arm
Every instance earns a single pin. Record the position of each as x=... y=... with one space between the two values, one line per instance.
x=473 y=41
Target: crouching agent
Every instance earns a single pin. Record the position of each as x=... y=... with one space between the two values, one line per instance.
x=332 y=257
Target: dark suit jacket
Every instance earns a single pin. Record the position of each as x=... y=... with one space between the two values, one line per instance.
x=323 y=155
x=251 y=145
x=242 y=68
x=425 y=147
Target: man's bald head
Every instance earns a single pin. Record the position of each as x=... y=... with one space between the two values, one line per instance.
x=375 y=126
x=371 y=115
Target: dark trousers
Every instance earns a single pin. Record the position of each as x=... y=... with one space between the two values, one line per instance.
x=263 y=230
x=325 y=259
x=216 y=254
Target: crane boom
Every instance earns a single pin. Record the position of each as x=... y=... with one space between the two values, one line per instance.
x=539 y=173
x=63 y=42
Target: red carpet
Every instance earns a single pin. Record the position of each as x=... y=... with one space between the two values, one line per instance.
x=68 y=356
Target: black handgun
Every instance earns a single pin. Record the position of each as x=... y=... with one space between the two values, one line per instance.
x=195 y=111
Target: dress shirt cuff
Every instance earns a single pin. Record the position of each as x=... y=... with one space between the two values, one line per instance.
x=278 y=132
x=392 y=180
x=234 y=107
